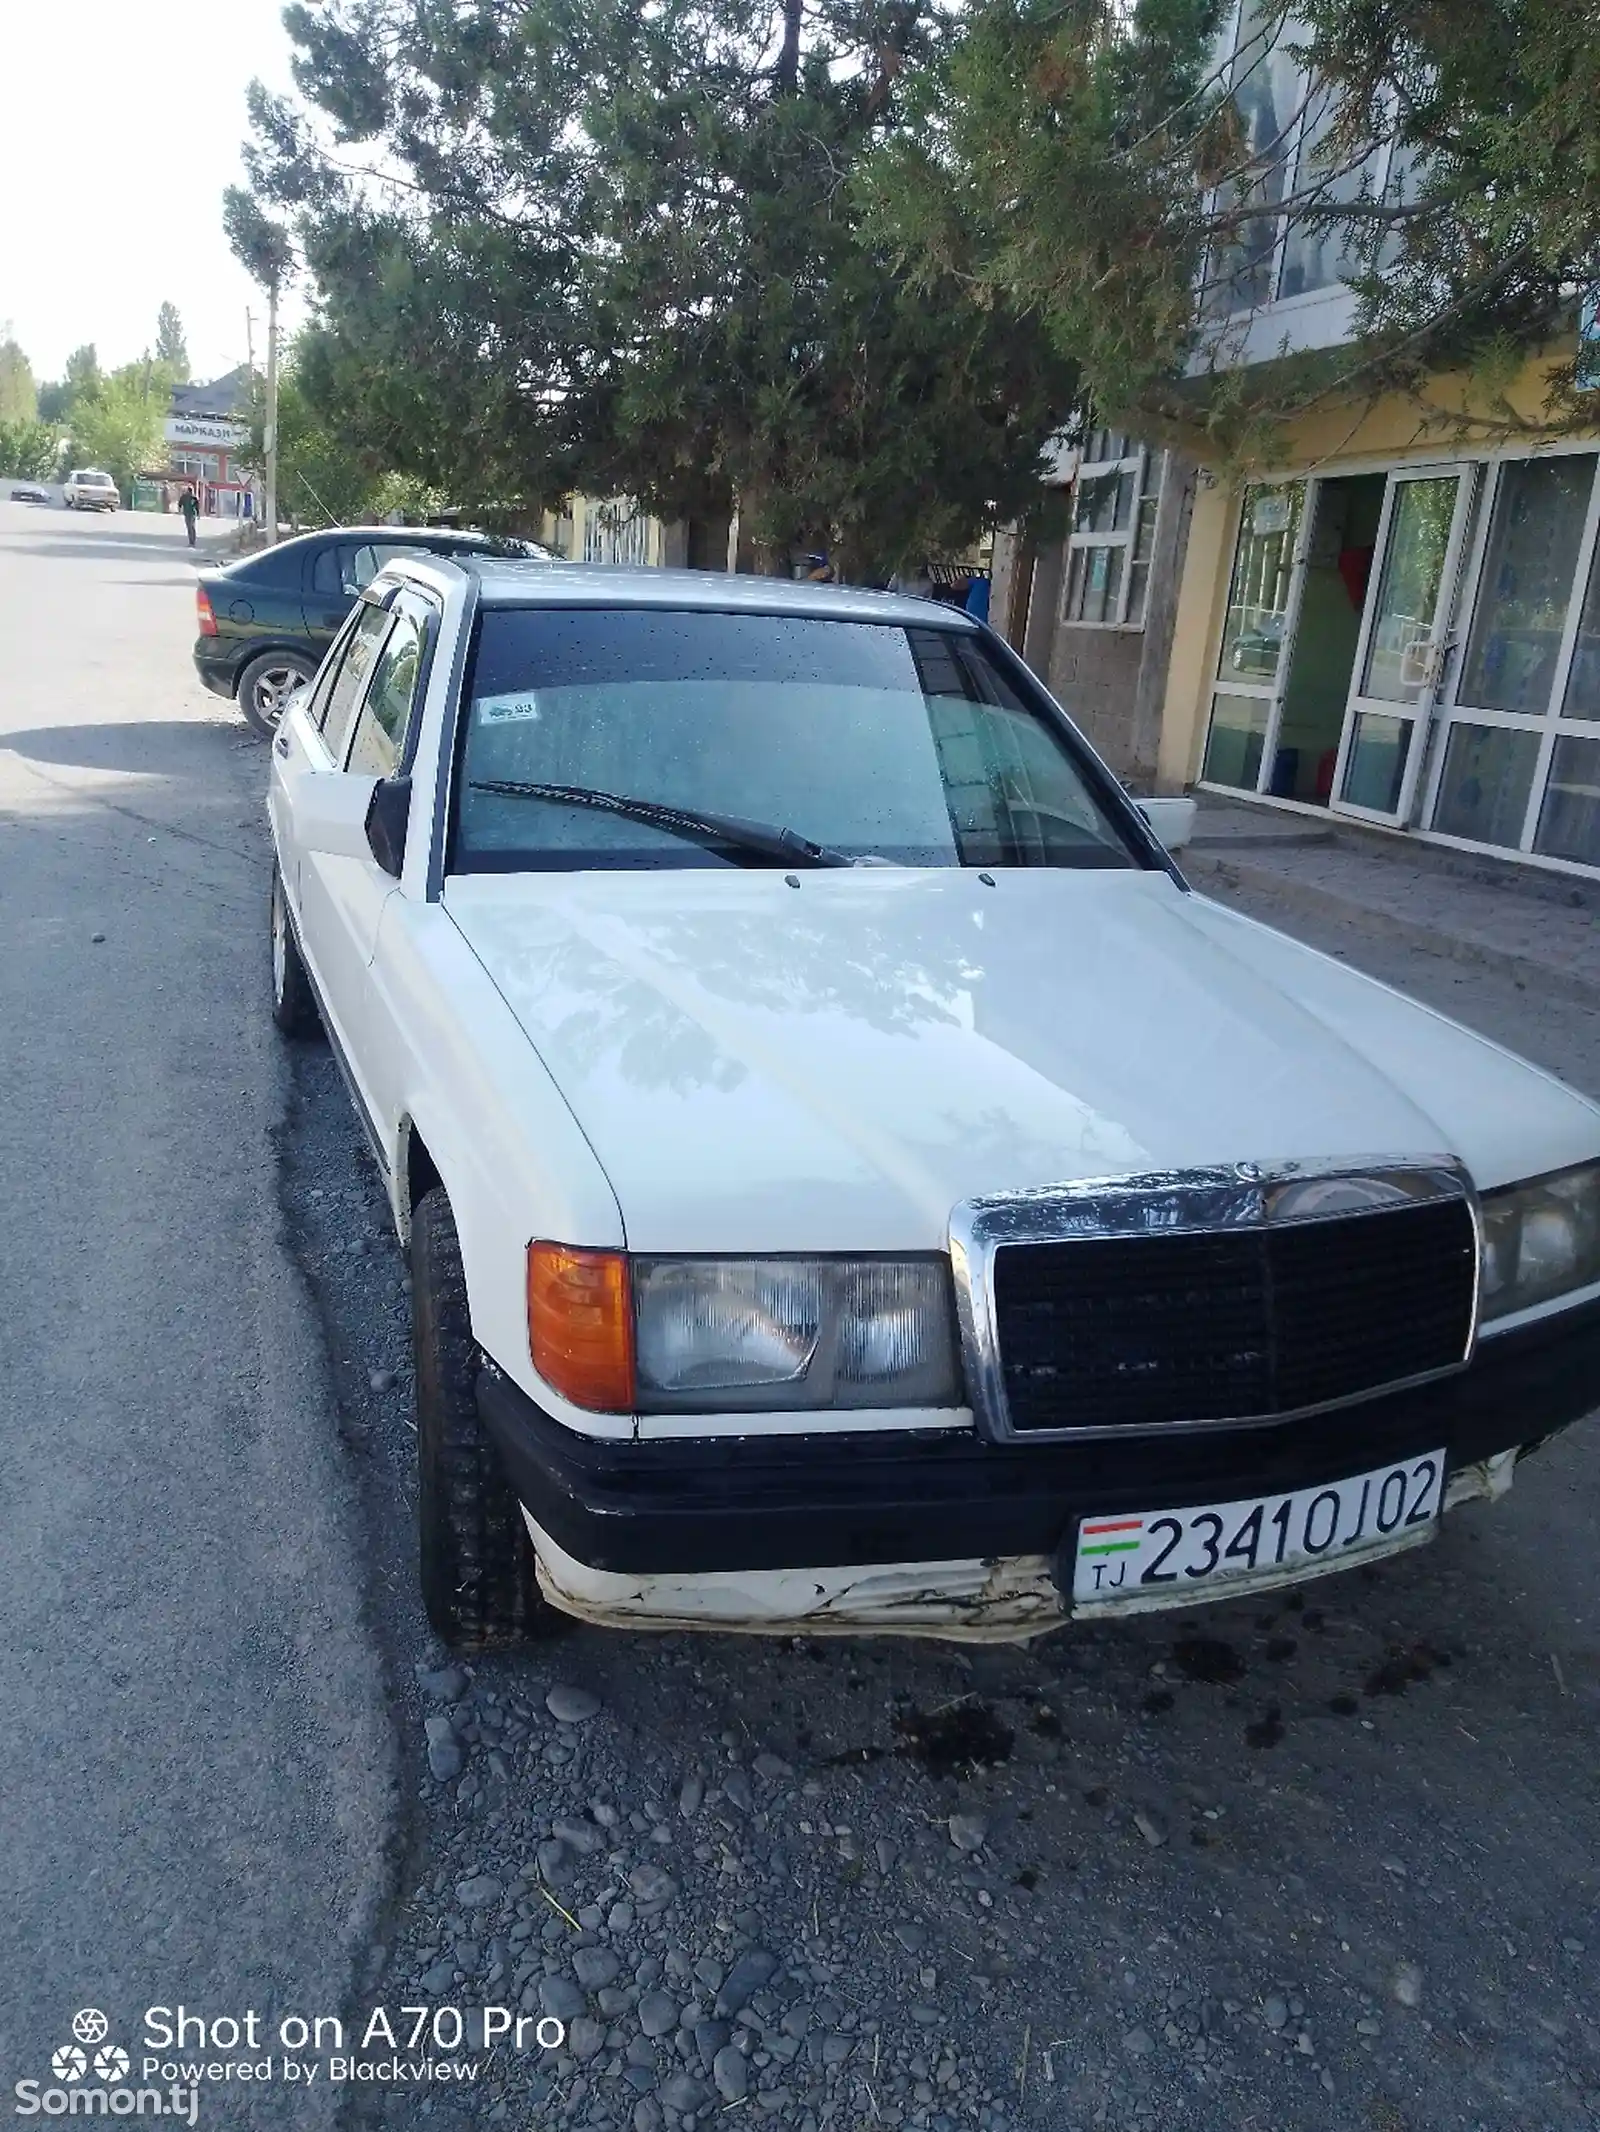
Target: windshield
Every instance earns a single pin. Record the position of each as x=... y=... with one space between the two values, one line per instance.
x=909 y=745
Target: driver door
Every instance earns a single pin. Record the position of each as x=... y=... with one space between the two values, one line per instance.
x=344 y=896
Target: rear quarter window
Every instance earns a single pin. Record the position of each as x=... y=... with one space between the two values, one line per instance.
x=281 y=567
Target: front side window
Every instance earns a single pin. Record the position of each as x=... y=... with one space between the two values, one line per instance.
x=907 y=746
x=345 y=694
x=331 y=569
x=370 y=558
x=385 y=715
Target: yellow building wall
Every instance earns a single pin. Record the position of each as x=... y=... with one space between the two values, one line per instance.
x=1390 y=432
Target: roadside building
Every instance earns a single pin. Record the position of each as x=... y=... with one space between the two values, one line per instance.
x=1088 y=593
x=1388 y=625
x=206 y=431
x=1385 y=625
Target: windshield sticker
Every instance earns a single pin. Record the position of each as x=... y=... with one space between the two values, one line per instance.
x=504 y=710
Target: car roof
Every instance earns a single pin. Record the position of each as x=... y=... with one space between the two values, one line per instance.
x=445 y=536
x=507 y=581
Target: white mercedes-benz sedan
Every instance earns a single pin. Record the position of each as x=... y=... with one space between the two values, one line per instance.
x=851 y=1181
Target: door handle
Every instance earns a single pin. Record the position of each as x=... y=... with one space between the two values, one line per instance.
x=280 y=746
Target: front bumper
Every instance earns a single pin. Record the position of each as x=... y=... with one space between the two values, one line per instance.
x=747 y=1503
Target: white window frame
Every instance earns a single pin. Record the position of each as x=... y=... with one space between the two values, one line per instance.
x=1139 y=462
x=1293 y=147
x=1551 y=724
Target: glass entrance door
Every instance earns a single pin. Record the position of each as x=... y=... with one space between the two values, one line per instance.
x=1405 y=630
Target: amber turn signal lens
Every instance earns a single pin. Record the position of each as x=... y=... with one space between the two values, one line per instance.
x=580 y=1325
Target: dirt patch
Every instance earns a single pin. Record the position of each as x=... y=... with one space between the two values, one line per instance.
x=1207 y=1658
x=955 y=1741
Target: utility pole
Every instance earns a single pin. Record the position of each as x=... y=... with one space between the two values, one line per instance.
x=270 y=426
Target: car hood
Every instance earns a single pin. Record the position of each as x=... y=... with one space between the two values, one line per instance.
x=831 y=1062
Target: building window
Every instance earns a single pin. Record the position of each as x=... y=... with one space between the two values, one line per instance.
x=1113 y=531
x=1526 y=584
x=1294 y=164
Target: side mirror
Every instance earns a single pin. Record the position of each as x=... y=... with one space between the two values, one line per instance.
x=329 y=810
x=1171 y=819
x=388 y=815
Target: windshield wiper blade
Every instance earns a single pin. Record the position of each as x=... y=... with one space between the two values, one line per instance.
x=758 y=839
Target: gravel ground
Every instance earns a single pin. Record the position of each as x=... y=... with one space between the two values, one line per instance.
x=1323 y=1861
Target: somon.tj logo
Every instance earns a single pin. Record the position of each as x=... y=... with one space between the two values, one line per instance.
x=70 y=2064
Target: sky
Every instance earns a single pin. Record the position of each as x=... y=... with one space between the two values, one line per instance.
x=112 y=167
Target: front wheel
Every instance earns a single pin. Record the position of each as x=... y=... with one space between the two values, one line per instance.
x=266 y=685
x=294 y=1004
x=476 y=1563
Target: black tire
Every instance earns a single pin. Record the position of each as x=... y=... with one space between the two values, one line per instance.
x=294 y=1004
x=267 y=683
x=475 y=1560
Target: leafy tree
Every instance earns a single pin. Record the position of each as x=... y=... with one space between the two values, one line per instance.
x=594 y=243
x=322 y=480
x=18 y=398
x=83 y=372
x=261 y=245
x=118 y=423
x=82 y=376
x=29 y=451
x=1090 y=159
x=170 y=347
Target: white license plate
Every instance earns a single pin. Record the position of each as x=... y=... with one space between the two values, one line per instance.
x=1129 y=1559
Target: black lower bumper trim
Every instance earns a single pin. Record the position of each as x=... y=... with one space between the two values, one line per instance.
x=789 y=1502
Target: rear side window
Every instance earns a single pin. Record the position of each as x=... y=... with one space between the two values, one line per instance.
x=330 y=572
x=345 y=694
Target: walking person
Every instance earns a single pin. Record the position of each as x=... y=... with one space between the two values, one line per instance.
x=189 y=505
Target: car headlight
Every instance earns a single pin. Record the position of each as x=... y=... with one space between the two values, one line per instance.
x=618 y=1334
x=1540 y=1240
x=768 y=1332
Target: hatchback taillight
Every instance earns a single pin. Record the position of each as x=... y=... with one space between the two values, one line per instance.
x=202 y=608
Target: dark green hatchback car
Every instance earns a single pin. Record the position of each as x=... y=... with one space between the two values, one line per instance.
x=266 y=620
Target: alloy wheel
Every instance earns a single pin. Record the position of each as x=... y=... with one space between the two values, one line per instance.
x=271 y=690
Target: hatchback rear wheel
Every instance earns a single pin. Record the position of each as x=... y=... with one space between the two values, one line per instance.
x=266 y=685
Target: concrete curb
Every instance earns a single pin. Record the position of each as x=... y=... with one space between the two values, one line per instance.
x=1210 y=873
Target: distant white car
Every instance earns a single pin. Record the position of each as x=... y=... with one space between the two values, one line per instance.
x=87 y=489
x=851 y=1181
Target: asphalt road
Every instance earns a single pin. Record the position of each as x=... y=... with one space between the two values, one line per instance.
x=198 y=1773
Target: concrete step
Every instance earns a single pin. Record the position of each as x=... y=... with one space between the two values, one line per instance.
x=1537 y=944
